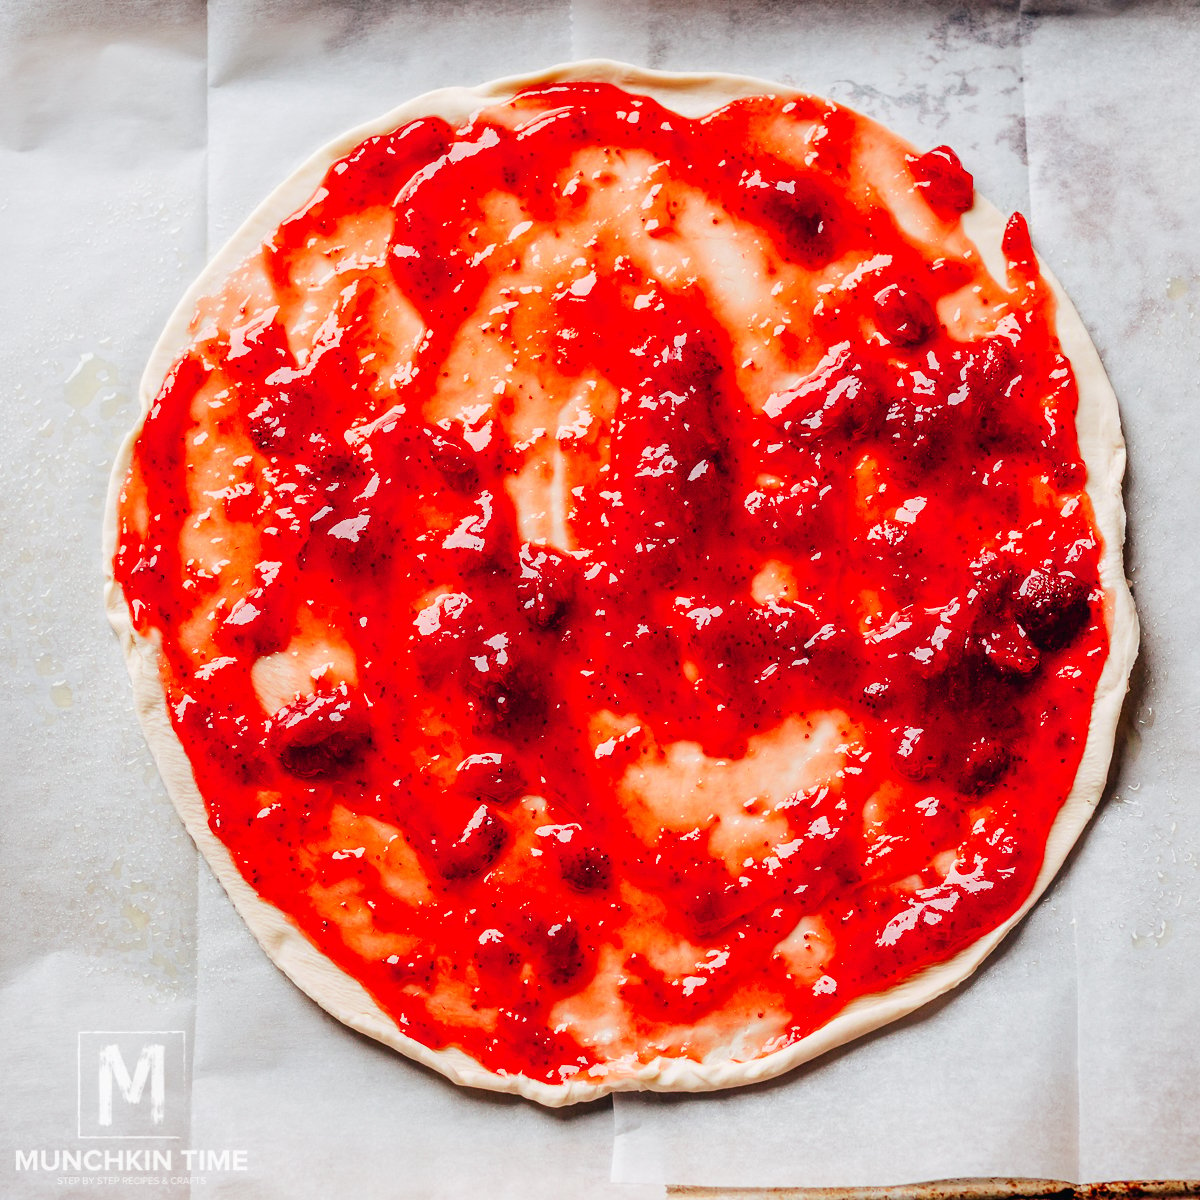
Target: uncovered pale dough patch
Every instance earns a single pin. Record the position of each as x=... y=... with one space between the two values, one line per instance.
x=621 y=574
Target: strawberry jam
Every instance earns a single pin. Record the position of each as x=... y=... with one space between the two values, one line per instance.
x=624 y=582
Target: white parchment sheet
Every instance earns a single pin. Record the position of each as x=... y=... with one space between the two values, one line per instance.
x=134 y=137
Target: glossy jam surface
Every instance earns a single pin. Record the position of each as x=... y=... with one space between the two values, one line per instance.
x=624 y=582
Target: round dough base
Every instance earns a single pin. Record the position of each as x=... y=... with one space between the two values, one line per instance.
x=1103 y=451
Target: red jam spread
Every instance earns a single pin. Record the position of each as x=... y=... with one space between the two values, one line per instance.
x=624 y=582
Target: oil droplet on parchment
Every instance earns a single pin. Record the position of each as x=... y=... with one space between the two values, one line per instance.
x=138 y=918
x=1156 y=936
x=61 y=694
x=94 y=378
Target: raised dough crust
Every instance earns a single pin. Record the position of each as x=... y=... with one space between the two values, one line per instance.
x=1103 y=451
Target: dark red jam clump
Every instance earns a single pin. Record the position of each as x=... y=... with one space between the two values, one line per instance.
x=624 y=581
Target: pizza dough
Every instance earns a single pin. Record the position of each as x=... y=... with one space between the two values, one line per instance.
x=721 y=809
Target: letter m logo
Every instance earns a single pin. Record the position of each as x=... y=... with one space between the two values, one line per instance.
x=151 y=1065
x=132 y=1084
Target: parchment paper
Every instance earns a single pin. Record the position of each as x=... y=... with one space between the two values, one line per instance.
x=133 y=140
